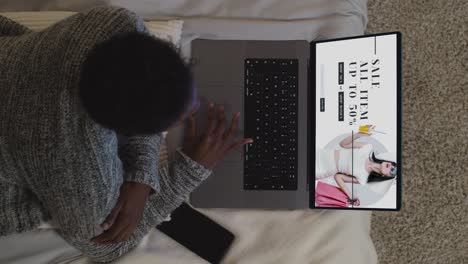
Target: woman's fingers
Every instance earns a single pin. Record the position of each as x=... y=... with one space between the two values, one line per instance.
x=218 y=132
x=232 y=128
x=238 y=144
x=109 y=235
x=118 y=235
x=112 y=216
x=211 y=119
x=191 y=130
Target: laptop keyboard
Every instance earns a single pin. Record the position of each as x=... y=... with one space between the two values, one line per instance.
x=270 y=107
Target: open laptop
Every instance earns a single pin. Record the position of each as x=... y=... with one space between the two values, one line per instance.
x=301 y=102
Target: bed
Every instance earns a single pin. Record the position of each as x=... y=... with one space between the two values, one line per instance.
x=300 y=236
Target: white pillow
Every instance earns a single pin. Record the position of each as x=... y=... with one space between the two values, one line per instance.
x=170 y=30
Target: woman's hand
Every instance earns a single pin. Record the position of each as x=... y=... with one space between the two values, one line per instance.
x=126 y=215
x=354 y=202
x=216 y=142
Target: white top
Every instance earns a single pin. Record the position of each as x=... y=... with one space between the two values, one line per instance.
x=359 y=159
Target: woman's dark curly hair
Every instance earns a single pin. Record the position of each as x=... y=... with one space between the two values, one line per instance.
x=134 y=83
x=374 y=176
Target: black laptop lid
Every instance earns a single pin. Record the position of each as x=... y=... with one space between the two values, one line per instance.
x=355 y=111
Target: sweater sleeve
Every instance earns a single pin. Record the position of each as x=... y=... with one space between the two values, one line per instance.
x=176 y=182
x=20 y=210
x=139 y=155
x=9 y=27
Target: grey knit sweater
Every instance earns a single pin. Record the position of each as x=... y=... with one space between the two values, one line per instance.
x=56 y=164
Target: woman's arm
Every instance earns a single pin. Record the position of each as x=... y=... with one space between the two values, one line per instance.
x=348 y=143
x=347 y=178
x=176 y=183
x=341 y=179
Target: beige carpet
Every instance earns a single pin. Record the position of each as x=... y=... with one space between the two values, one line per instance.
x=433 y=224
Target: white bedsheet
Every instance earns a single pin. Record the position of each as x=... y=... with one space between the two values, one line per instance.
x=261 y=236
x=322 y=237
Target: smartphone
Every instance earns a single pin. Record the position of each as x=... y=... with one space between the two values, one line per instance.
x=198 y=233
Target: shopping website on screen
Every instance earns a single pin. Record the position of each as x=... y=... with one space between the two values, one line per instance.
x=356 y=123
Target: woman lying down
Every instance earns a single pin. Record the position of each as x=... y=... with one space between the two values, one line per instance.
x=68 y=93
x=367 y=168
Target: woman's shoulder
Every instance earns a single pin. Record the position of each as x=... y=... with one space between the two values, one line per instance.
x=97 y=24
x=9 y=27
x=115 y=19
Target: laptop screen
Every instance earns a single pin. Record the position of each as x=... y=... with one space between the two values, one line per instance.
x=357 y=131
